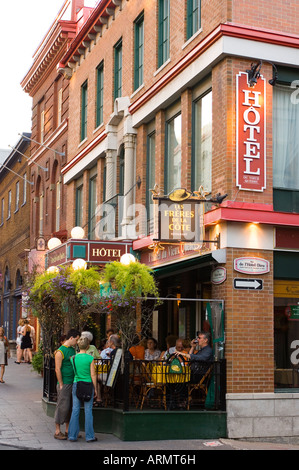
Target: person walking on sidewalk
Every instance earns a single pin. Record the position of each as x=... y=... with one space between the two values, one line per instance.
x=4 y=353
x=65 y=377
x=84 y=369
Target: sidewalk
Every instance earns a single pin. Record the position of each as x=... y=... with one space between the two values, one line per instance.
x=24 y=424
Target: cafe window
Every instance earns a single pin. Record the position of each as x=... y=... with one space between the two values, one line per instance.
x=150 y=174
x=202 y=142
x=92 y=203
x=286 y=141
x=286 y=333
x=173 y=152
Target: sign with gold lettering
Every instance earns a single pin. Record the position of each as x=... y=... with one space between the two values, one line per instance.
x=251 y=137
x=92 y=251
x=180 y=221
x=105 y=252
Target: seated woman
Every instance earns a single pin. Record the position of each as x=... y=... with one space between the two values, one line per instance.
x=137 y=350
x=152 y=352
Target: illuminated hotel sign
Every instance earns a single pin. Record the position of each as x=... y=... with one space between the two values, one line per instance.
x=92 y=251
x=180 y=221
x=251 y=134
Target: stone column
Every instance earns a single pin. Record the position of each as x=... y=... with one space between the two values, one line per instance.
x=130 y=177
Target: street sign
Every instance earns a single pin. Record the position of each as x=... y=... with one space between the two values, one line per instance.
x=253 y=284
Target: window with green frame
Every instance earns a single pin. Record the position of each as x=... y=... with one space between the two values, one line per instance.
x=286 y=141
x=79 y=204
x=193 y=17
x=202 y=142
x=138 y=51
x=84 y=111
x=163 y=31
x=92 y=204
x=173 y=154
x=150 y=174
x=118 y=69
x=100 y=94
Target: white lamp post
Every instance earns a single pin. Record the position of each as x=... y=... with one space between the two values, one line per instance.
x=53 y=243
x=127 y=258
x=53 y=269
x=79 y=263
x=77 y=233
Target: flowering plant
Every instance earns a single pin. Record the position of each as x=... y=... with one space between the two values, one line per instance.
x=63 y=298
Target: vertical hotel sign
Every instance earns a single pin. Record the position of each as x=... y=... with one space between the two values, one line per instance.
x=251 y=134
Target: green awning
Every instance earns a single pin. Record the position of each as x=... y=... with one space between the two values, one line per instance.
x=209 y=259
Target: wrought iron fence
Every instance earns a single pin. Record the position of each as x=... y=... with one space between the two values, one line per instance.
x=140 y=385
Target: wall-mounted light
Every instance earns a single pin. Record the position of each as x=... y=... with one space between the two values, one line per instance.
x=255 y=72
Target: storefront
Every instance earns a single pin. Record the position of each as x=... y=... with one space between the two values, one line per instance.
x=286 y=321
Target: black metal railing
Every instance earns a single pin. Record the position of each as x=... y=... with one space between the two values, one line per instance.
x=140 y=385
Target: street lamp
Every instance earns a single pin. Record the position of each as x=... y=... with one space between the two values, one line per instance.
x=79 y=263
x=53 y=243
x=127 y=258
x=77 y=233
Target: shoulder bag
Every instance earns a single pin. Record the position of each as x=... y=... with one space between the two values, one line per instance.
x=84 y=389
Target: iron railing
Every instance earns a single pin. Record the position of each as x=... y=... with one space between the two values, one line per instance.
x=140 y=385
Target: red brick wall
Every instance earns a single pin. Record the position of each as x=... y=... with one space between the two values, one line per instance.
x=280 y=15
x=249 y=328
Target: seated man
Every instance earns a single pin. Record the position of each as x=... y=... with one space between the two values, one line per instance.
x=205 y=352
x=202 y=359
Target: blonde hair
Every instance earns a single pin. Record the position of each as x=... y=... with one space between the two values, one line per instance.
x=83 y=343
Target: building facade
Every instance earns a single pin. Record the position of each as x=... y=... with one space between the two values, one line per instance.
x=199 y=97
x=49 y=91
x=14 y=233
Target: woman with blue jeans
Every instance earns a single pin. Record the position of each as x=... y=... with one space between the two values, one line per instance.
x=85 y=371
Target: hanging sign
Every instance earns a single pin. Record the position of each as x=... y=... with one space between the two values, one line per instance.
x=180 y=221
x=251 y=134
x=218 y=275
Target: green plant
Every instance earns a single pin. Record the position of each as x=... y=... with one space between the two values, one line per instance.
x=127 y=297
x=38 y=360
x=62 y=300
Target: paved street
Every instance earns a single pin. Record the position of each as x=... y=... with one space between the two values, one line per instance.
x=24 y=425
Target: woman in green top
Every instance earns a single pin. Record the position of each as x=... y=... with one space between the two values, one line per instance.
x=84 y=371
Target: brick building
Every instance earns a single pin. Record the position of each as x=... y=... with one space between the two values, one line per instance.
x=176 y=95
x=49 y=92
x=14 y=233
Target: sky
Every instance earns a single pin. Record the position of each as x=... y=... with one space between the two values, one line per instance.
x=23 y=26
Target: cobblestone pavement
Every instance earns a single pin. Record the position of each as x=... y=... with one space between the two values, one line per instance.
x=24 y=425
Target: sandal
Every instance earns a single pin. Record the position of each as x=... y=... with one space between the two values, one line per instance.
x=2 y=382
x=60 y=436
x=98 y=404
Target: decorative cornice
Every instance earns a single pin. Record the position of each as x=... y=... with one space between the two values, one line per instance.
x=89 y=31
x=50 y=54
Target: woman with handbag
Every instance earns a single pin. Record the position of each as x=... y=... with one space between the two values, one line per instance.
x=4 y=353
x=85 y=377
